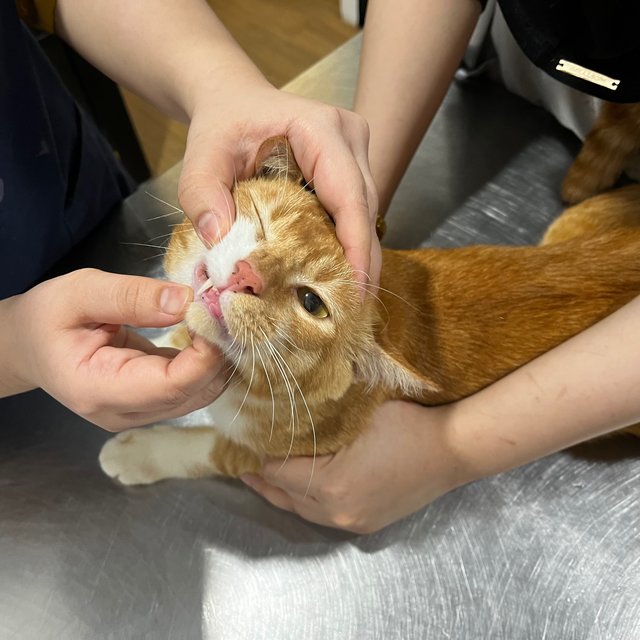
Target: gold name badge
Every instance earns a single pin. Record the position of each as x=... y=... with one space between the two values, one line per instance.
x=589 y=75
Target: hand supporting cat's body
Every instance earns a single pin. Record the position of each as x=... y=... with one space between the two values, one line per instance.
x=309 y=362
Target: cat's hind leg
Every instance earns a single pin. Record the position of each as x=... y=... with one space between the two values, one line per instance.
x=145 y=456
x=611 y=211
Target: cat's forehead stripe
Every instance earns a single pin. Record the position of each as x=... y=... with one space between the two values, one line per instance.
x=239 y=242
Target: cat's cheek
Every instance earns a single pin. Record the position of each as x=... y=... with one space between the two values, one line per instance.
x=336 y=380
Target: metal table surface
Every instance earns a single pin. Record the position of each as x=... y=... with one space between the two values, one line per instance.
x=550 y=550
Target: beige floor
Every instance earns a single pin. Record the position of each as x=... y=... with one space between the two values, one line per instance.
x=283 y=37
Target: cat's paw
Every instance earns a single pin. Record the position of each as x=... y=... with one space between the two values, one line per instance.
x=144 y=456
x=577 y=188
x=128 y=458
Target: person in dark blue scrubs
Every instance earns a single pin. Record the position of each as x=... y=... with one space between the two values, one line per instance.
x=58 y=179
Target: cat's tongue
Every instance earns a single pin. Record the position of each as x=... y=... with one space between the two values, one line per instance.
x=211 y=297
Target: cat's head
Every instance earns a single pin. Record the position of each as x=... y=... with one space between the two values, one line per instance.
x=277 y=293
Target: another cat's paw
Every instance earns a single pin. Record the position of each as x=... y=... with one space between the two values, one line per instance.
x=128 y=458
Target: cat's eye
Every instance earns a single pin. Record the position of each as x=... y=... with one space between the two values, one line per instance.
x=312 y=303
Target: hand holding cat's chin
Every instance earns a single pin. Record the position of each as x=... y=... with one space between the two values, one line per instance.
x=329 y=144
x=71 y=341
x=403 y=461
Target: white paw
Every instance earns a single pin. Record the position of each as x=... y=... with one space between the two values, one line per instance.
x=143 y=456
x=128 y=457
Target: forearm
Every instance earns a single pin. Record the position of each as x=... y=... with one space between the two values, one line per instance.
x=410 y=51
x=168 y=51
x=586 y=387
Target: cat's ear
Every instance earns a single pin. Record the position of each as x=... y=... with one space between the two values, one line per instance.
x=377 y=366
x=275 y=160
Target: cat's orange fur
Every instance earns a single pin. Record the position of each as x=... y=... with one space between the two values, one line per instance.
x=611 y=148
x=444 y=324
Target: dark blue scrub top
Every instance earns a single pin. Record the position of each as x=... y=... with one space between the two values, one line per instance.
x=58 y=176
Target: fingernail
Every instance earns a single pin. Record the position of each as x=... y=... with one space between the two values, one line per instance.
x=174 y=299
x=208 y=228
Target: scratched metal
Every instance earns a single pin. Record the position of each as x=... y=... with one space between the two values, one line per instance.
x=551 y=550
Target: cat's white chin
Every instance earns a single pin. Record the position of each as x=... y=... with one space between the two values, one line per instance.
x=200 y=321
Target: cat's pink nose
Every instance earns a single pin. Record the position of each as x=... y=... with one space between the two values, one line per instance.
x=245 y=280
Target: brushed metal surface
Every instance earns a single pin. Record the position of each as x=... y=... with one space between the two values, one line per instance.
x=550 y=550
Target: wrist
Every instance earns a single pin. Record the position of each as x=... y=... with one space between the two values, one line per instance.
x=433 y=456
x=219 y=71
x=456 y=455
x=14 y=376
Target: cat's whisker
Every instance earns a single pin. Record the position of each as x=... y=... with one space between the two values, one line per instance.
x=154 y=257
x=238 y=358
x=364 y=273
x=164 y=215
x=273 y=400
x=290 y=393
x=379 y=288
x=313 y=428
x=305 y=186
x=284 y=346
x=253 y=368
x=171 y=233
x=282 y=334
x=384 y=306
x=235 y=184
x=144 y=244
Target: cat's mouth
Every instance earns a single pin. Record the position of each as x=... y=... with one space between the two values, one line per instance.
x=207 y=292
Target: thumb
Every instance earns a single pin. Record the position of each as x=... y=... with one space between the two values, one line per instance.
x=204 y=190
x=107 y=298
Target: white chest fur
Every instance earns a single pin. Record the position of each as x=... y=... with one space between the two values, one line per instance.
x=230 y=419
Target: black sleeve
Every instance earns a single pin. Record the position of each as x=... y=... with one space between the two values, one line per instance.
x=590 y=46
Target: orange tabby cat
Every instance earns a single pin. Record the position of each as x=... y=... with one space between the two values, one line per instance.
x=309 y=361
x=611 y=148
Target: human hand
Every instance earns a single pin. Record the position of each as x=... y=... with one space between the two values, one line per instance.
x=68 y=338
x=229 y=124
x=399 y=464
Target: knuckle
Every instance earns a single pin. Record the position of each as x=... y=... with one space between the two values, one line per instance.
x=84 y=272
x=348 y=522
x=110 y=427
x=176 y=396
x=129 y=299
x=79 y=277
x=187 y=185
x=85 y=407
x=334 y=116
x=359 y=124
x=333 y=493
x=213 y=391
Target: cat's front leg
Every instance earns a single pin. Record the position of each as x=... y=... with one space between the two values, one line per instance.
x=144 y=456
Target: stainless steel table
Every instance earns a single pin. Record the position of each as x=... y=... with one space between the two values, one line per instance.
x=550 y=550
